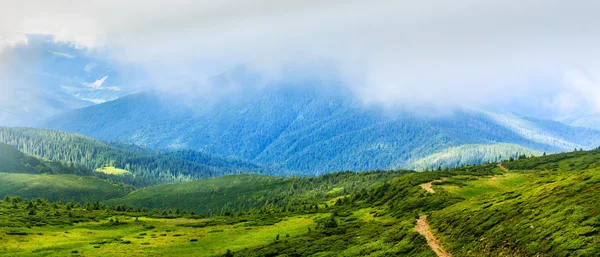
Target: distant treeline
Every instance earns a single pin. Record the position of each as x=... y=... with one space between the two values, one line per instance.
x=147 y=167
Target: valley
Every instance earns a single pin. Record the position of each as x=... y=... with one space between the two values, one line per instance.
x=515 y=208
x=299 y=128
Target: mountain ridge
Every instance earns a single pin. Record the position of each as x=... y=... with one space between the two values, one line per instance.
x=282 y=127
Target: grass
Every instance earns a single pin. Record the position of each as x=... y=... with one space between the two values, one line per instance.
x=545 y=206
x=60 y=187
x=336 y=190
x=206 y=194
x=549 y=212
x=148 y=236
x=112 y=170
x=467 y=187
x=250 y=191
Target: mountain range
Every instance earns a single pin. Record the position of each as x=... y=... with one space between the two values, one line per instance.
x=315 y=125
x=299 y=121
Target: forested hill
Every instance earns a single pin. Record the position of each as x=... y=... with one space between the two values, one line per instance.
x=14 y=161
x=145 y=166
x=314 y=129
x=29 y=177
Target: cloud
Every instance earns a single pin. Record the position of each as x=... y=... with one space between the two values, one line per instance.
x=580 y=92
x=462 y=52
x=98 y=83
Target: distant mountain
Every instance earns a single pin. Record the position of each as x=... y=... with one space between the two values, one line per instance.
x=144 y=166
x=585 y=121
x=313 y=126
x=468 y=154
x=44 y=78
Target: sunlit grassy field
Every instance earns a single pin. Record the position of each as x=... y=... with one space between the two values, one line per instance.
x=146 y=237
x=468 y=187
x=112 y=170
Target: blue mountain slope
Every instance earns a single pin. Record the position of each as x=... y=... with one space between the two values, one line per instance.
x=312 y=126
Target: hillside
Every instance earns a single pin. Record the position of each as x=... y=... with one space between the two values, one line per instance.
x=551 y=211
x=251 y=192
x=540 y=206
x=29 y=177
x=146 y=166
x=63 y=188
x=555 y=216
x=14 y=161
x=313 y=126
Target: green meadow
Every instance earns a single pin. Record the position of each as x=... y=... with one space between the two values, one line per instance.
x=65 y=187
x=147 y=237
x=112 y=170
x=469 y=186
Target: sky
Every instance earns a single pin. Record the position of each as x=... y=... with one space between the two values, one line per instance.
x=531 y=56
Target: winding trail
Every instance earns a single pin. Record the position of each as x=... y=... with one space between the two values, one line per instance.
x=499 y=165
x=428 y=186
x=424 y=229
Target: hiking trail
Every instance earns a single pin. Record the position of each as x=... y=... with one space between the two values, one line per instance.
x=424 y=229
x=499 y=165
x=428 y=186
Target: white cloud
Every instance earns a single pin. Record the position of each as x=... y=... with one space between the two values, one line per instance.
x=98 y=83
x=580 y=94
x=444 y=52
x=89 y=67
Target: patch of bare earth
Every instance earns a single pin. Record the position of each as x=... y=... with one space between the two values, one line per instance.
x=424 y=229
x=500 y=166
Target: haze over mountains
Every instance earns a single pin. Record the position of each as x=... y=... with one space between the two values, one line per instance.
x=274 y=118
x=285 y=121
x=299 y=128
x=43 y=78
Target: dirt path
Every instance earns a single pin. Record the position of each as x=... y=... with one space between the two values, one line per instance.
x=502 y=167
x=423 y=229
x=428 y=186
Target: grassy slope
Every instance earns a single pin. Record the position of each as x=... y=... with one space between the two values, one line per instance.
x=30 y=177
x=201 y=195
x=244 y=192
x=58 y=231
x=60 y=187
x=464 y=187
x=545 y=205
x=12 y=160
x=167 y=238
